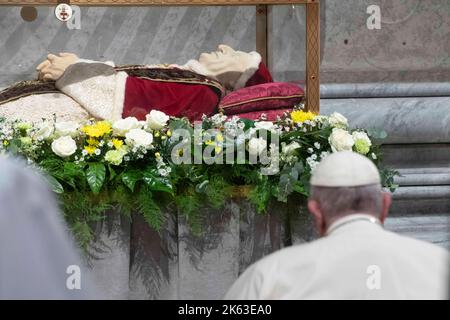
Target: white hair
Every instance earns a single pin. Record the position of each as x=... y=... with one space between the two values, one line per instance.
x=341 y=201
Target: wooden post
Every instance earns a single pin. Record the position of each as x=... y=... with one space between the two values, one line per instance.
x=312 y=56
x=261 y=32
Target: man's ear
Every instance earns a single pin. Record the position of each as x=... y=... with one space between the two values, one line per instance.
x=314 y=209
x=387 y=201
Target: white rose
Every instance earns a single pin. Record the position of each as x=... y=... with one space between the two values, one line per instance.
x=64 y=146
x=340 y=140
x=337 y=120
x=67 y=128
x=45 y=130
x=157 y=120
x=268 y=125
x=256 y=146
x=122 y=126
x=139 y=138
x=290 y=148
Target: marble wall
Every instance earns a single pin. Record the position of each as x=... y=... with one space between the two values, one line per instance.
x=404 y=49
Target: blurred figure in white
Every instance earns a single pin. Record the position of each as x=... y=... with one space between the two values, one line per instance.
x=38 y=259
x=355 y=258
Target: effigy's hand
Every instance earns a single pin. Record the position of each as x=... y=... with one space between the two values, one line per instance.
x=53 y=68
x=44 y=64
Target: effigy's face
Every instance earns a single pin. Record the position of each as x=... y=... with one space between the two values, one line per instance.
x=224 y=59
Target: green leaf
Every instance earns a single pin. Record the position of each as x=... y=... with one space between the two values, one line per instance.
x=14 y=147
x=248 y=123
x=112 y=173
x=189 y=206
x=202 y=186
x=130 y=177
x=156 y=182
x=176 y=124
x=260 y=197
x=95 y=175
x=376 y=133
x=55 y=184
x=149 y=209
x=300 y=189
x=83 y=234
x=286 y=186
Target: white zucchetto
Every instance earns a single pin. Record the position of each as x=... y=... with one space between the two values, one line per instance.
x=345 y=169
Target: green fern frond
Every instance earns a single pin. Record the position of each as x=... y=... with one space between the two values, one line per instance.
x=149 y=209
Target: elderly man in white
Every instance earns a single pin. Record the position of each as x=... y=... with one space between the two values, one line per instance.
x=355 y=258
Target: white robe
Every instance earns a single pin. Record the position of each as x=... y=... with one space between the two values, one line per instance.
x=357 y=260
x=89 y=89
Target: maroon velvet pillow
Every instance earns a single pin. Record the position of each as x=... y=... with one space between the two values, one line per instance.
x=267 y=96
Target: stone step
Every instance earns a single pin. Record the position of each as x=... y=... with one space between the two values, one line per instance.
x=421 y=200
x=384 y=90
x=422 y=193
x=408 y=178
x=432 y=157
x=407 y=120
x=420 y=207
x=431 y=170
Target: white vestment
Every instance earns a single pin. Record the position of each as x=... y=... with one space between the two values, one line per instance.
x=358 y=259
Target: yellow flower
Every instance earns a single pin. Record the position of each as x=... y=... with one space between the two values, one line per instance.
x=169 y=133
x=157 y=155
x=209 y=142
x=302 y=116
x=117 y=143
x=219 y=137
x=92 y=142
x=5 y=143
x=156 y=134
x=98 y=129
x=90 y=149
x=217 y=149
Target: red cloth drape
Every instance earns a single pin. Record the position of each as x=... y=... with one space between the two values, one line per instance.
x=173 y=98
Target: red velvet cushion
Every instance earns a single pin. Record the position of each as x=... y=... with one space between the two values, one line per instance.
x=270 y=115
x=267 y=96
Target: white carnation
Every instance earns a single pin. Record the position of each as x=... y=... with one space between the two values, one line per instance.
x=157 y=120
x=256 y=146
x=340 y=140
x=66 y=128
x=64 y=146
x=122 y=126
x=218 y=118
x=362 y=142
x=139 y=138
x=337 y=120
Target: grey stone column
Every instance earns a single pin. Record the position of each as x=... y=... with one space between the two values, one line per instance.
x=134 y=261
x=109 y=256
x=154 y=259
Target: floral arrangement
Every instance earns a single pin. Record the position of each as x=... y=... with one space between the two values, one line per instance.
x=167 y=162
